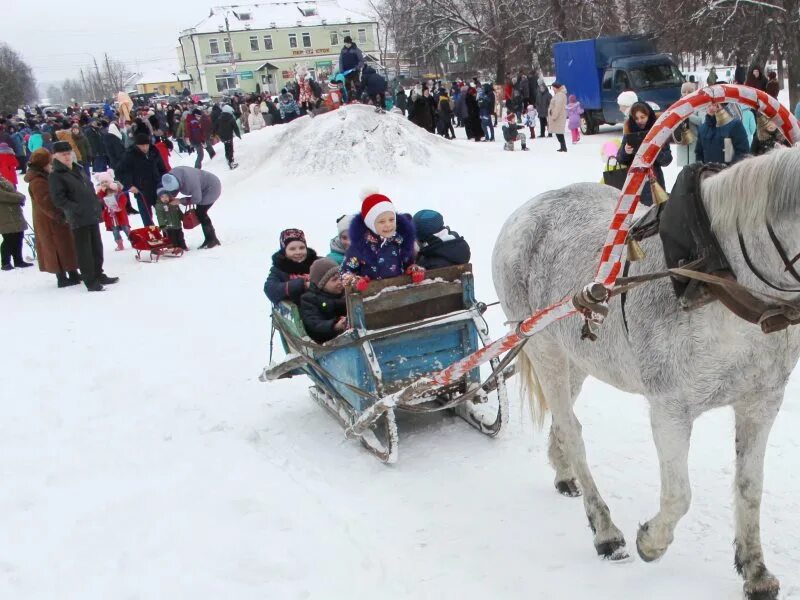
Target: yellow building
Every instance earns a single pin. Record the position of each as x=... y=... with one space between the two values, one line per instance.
x=257 y=47
x=161 y=82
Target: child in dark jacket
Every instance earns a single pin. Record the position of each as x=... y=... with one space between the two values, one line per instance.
x=438 y=246
x=381 y=245
x=323 y=307
x=170 y=218
x=289 y=276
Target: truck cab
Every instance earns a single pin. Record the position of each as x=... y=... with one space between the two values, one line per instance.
x=598 y=70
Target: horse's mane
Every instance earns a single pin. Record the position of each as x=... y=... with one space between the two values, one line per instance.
x=754 y=191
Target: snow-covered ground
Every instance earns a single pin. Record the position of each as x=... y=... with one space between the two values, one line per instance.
x=141 y=458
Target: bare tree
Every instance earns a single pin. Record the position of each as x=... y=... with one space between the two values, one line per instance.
x=17 y=84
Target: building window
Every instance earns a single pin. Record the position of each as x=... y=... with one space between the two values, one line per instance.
x=227 y=45
x=226 y=81
x=213 y=45
x=254 y=43
x=362 y=36
x=452 y=52
x=306 y=40
x=292 y=40
x=334 y=38
x=267 y=42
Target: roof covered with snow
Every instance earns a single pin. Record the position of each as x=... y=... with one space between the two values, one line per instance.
x=265 y=15
x=155 y=76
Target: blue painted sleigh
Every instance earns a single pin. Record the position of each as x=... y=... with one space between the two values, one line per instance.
x=399 y=332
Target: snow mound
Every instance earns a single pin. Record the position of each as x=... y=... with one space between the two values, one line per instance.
x=354 y=139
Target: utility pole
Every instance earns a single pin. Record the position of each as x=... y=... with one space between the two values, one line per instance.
x=100 y=87
x=112 y=83
x=83 y=83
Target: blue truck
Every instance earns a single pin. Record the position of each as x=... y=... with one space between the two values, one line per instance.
x=598 y=70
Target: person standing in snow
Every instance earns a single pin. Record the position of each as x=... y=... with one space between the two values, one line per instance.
x=140 y=171
x=288 y=107
x=200 y=188
x=635 y=129
x=486 y=110
x=225 y=129
x=557 y=115
x=420 y=111
x=756 y=79
x=712 y=76
x=543 y=99
x=8 y=164
x=114 y=201
x=400 y=100
x=193 y=132
x=113 y=145
x=472 y=124
x=72 y=193
x=773 y=85
x=12 y=226
x=351 y=61
x=574 y=112
x=255 y=120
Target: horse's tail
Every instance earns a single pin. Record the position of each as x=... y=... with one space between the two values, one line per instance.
x=531 y=389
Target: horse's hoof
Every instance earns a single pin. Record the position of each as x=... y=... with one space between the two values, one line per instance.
x=767 y=588
x=613 y=550
x=569 y=488
x=646 y=552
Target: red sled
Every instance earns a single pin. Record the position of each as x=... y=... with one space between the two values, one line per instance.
x=152 y=241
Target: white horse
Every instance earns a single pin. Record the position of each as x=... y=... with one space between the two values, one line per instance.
x=684 y=363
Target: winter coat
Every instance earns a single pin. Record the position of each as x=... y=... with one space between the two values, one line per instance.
x=685 y=154
x=95 y=138
x=760 y=82
x=11 y=201
x=420 y=113
x=371 y=256
x=169 y=216
x=711 y=145
x=226 y=127
x=55 y=246
x=749 y=123
x=320 y=311
x=207 y=125
x=163 y=152
x=543 y=99
x=350 y=58
x=254 y=120
x=375 y=84
x=200 y=187
x=634 y=135
x=143 y=171
x=574 y=112
x=72 y=192
x=8 y=164
x=84 y=154
x=400 y=99
x=288 y=106
x=486 y=101
x=193 y=130
x=557 y=114
x=445 y=114
x=35 y=141
x=113 y=146
x=443 y=249
x=773 y=88
x=287 y=278
x=118 y=217
x=337 y=250
x=472 y=124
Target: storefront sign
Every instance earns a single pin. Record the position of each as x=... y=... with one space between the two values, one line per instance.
x=245 y=74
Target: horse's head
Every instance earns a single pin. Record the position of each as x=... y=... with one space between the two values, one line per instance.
x=754 y=208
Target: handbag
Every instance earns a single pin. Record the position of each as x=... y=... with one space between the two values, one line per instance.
x=189 y=219
x=615 y=176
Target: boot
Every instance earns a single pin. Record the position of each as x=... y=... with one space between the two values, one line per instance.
x=524 y=148
x=7 y=267
x=106 y=280
x=64 y=281
x=95 y=287
x=75 y=277
x=180 y=240
x=119 y=246
x=21 y=264
x=213 y=242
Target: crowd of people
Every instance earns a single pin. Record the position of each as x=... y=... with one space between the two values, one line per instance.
x=376 y=243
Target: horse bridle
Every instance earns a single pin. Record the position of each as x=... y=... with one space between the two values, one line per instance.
x=787 y=262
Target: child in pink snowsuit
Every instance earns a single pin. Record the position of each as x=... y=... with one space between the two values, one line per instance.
x=574 y=112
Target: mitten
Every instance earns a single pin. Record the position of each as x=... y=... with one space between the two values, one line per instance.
x=417 y=273
x=362 y=283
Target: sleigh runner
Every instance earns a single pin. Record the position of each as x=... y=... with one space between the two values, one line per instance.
x=400 y=333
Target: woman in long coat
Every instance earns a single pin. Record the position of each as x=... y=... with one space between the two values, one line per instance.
x=55 y=246
x=557 y=115
x=472 y=124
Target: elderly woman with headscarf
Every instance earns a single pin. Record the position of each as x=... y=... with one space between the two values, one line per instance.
x=55 y=246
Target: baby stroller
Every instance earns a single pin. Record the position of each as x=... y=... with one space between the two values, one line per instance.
x=153 y=241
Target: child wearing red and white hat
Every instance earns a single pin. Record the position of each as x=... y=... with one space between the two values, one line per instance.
x=381 y=244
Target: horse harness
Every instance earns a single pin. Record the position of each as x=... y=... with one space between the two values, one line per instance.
x=696 y=264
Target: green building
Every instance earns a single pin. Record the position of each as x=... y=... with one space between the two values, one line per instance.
x=257 y=47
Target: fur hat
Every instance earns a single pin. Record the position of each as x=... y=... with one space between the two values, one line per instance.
x=372 y=206
x=322 y=270
x=627 y=98
x=428 y=222
x=170 y=183
x=40 y=158
x=61 y=147
x=291 y=235
x=141 y=138
x=106 y=177
x=343 y=223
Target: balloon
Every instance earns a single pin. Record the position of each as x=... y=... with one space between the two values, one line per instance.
x=609 y=149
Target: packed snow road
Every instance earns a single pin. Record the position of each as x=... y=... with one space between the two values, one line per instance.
x=141 y=458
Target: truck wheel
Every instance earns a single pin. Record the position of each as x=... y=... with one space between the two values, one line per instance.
x=588 y=126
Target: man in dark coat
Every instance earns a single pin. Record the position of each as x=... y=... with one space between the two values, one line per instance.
x=543 y=98
x=71 y=192
x=225 y=127
x=140 y=171
x=113 y=146
x=375 y=86
x=323 y=307
x=94 y=135
x=420 y=111
x=351 y=59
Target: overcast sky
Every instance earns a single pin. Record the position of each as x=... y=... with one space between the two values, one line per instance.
x=143 y=34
